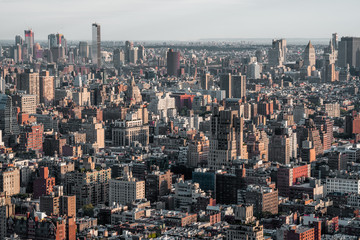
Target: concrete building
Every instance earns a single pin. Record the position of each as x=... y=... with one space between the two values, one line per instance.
x=226 y=84
x=96 y=45
x=343 y=184
x=309 y=55
x=47 y=88
x=126 y=190
x=10 y=181
x=226 y=145
x=186 y=194
x=29 y=81
x=157 y=184
x=198 y=151
x=125 y=132
x=277 y=53
x=349 y=48
x=26 y=103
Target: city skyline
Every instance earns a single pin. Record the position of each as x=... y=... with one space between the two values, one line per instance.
x=181 y=20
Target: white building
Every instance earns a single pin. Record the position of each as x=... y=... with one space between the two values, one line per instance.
x=343 y=185
x=186 y=193
x=126 y=190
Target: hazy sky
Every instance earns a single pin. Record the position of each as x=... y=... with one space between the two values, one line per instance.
x=180 y=19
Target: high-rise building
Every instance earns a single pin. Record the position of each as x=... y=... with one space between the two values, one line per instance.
x=225 y=84
x=309 y=55
x=10 y=181
x=126 y=190
x=84 y=50
x=8 y=116
x=133 y=55
x=335 y=39
x=325 y=127
x=198 y=151
x=26 y=103
x=29 y=41
x=277 y=53
x=226 y=139
x=279 y=147
x=95 y=132
x=141 y=52
x=157 y=184
x=52 y=40
x=128 y=47
x=173 y=63
x=253 y=71
x=205 y=81
x=349 y=48
x=88 y=186
x=31 y=137
x=45 y=184
x=238 y=86
x=96 y=45
x=47 y=88
x=29 y=82
x=118 y=58
x=287 y=176
x=19 y=40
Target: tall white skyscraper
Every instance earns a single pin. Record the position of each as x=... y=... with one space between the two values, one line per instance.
x=96 y=44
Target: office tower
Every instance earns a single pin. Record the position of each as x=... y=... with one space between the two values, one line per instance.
x=29 y=82
x=31 y=137
x=279 y=148
x=264 y=199
x=253 y=71
x=287 y=176
x=52 y=41
x=329 y=74
x=226 y=140
x=118 y=58
x=337 y=161
x=309 y=55
x=8 y=116
x=128 y=47
x=96 y=45
x=349 y=48
x=126 y=190
x=335 y=41
x=47 y=89
x=44 y=185
x=325 y=127
x=133 y=55
x=238 y=87
x=26 y=103
x=84 y=50
x=126 y=132
x=95 y=132
x=198 y=151
x=173 y=63
x=259 y=54
x=10 y=181
x=19 y=40
x=157 y=184
x=225 y=84
x=309 y=132
x=352 y=124
x=277 y=53
x=205 y=81
x=29 y=41
x=133 y=94
x=141 y=52
x=88 y=186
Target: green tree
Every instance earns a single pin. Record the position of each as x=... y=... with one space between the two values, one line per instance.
x=88 y=210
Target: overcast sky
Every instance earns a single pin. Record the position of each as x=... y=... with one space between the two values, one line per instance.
x=180 y=19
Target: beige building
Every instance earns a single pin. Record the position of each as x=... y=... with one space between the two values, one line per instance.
x=125 y=132
x=309 y=55
x=95 y=132
x=198 y=150
x=125 y=190
x=10 y=181
x=26 y=102
x=29 y=81
x=47 y=88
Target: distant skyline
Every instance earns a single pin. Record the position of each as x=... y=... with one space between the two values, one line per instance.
x=183 y=20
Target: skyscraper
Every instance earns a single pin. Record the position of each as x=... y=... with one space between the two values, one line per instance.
x=226 y=140
x=309 y=55
x=277 y=54
x=52 y=40
x=128 y=47
x=238 y=86
x=225 y=84
x=29 y=82
x=205 y=81
x=335 y=41
x=29 y=41
x=83 y=49
x=349 y=51
x=96 y=45
x=19 y=40
x=173 y=63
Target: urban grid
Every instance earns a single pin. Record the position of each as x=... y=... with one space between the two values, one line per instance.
x=212 y=139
